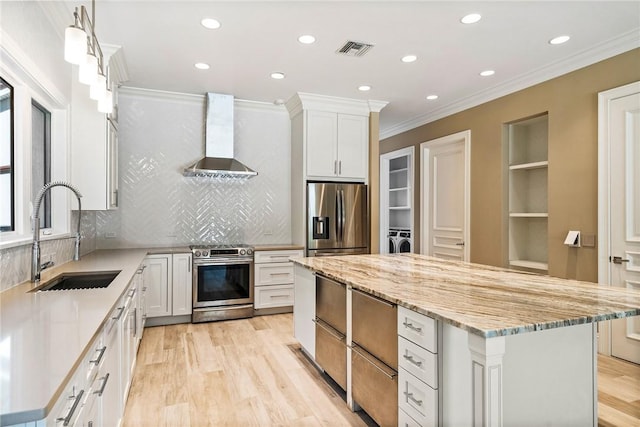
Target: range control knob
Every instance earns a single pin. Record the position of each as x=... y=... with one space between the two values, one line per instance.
x=205 y=253
x=197 y=254
x=249 y=251
x=243 y=252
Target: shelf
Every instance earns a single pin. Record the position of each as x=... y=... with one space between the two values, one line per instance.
x=529 y=215
x=399 y=208
x=399 y=189
x=533 y=165
x=534 y=265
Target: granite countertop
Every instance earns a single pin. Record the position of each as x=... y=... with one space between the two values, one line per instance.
x=484 y=300
x=45 y=335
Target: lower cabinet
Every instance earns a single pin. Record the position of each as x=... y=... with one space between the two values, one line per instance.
x=273 y=280
x=168 y=288
x=304 y=309
x=417 y=369
x=97 y=392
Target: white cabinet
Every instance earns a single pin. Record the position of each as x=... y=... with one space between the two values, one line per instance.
x=337 y=145
x=417 y=369
x=94 y=140
x=182 y=292
x=528 y=215
x=273 y=279
x=304 y=309
x=168 y=281
x=128 y=341
x=156 y=275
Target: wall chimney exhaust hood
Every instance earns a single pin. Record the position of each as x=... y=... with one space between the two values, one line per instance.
x=218 y=161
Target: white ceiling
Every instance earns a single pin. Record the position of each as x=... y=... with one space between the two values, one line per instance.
x=163 y=39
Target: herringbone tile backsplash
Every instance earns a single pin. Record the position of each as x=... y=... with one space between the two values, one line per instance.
x=160 y=135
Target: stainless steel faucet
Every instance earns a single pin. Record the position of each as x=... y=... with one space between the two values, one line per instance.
x=35 y=253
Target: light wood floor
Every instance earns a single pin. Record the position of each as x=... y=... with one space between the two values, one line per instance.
x=251 y=372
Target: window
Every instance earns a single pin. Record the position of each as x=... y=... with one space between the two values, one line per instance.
x=7 y=199
x=41 y=159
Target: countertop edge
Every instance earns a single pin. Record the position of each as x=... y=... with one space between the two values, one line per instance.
x=38 y=414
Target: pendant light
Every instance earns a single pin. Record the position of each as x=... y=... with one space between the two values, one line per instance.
x=81 y=48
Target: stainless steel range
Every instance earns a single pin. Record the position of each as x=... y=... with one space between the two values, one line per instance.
x=222 y=282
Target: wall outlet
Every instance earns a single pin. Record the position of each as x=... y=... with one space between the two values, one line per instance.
x=268 y=232
x=110 y=235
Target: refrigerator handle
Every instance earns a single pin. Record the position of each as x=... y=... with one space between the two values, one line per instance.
x=342 y=215
x=338 y=210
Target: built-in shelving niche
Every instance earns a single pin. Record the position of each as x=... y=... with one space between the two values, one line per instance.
x=526 y=148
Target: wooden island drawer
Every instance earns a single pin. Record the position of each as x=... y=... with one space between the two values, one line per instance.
x=274 y=274
x=418 y=328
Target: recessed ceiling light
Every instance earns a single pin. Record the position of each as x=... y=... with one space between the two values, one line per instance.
x=409 y=58
x=487 y=73
x=277 y=75
x=306 y=39
x=432 y=97
x=364 y=88
x=210 y=23
x=471 y=18
x=202 y=66
x=559 y=40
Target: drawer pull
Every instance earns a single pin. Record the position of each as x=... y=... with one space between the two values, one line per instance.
x=279 y=296
x=279 y=274
x=365 y=355
x=410 y=359
x=413 y=399
x=104 y=385
x=120 y=311
x=97 y=360
x=381 y=301
x=337 y=335
x=67 y=419
x=410 y=326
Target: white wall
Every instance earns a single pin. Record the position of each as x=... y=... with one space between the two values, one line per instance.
x=159 y=135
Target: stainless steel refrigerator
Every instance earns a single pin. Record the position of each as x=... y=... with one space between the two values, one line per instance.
x=337 y=219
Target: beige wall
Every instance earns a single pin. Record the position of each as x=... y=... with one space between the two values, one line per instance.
x=572 y=103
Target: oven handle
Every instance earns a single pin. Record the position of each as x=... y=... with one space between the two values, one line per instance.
x=221 y=261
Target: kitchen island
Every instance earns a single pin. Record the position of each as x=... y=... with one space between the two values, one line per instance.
x=513 y=347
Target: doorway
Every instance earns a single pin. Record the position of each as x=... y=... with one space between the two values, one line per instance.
x=445 y=196
x=619 y=211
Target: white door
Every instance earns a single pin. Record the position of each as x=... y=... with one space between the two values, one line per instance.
x=322 y=143
x=623 y=266
x=182 y=284
x=353 y=146
x=445 y=197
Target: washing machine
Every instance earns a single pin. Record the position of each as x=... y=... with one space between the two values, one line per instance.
x=399 y=240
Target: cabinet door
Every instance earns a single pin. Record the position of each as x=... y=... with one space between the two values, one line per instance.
x=112 y=165
x=111 y=406
x=182 y=280
x=353 y=144
x=322 y=138
x=304 y=309
x=157 y=280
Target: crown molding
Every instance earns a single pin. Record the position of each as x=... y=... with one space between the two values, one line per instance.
x=190 y=98
x=597 y=53
x=311 y=101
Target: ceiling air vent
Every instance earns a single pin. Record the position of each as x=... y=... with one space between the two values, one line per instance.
x=351 y=48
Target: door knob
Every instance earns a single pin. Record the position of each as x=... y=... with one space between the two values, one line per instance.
x=618 y=260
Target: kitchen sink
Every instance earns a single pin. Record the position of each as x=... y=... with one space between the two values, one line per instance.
x=80 y=280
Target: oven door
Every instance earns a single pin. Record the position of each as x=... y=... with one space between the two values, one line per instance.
x=222 y=282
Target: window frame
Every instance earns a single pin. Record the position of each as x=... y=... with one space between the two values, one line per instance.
x=32 y=84
x=11 y=166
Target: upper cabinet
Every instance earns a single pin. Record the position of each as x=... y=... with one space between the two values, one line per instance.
x=94 y=138
x=337 y=145
x=330 y=136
